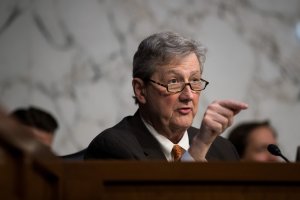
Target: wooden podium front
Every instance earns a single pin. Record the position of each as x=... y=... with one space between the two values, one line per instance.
x=29 y=171
x=162 y=180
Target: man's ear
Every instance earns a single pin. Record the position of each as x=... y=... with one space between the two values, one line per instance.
x=138 y=86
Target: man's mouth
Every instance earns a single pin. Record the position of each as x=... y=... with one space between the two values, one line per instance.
x=184 y=111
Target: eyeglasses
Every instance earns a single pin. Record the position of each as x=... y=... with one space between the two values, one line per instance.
x=178 y=87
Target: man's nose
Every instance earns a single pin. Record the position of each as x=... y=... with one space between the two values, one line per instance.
x=187 y=91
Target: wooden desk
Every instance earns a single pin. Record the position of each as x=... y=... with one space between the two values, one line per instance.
x=29 y=171
x=162 y=180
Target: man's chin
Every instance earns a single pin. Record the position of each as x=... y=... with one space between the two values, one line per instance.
x=184 y=124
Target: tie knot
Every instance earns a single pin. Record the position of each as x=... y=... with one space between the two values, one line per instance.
x=177 y=152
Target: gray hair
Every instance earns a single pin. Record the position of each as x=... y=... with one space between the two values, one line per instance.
x=160 y=49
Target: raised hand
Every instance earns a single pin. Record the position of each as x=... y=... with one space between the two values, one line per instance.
x=217 y=118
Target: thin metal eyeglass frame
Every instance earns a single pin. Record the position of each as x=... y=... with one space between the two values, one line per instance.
x=185 y=84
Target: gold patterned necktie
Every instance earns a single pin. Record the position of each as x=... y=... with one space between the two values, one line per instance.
x=177 y=152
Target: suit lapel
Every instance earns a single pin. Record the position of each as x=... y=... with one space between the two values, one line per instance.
x=149 y=144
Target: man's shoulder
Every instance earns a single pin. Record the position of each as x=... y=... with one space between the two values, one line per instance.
x=117 y=142
x=119 y=129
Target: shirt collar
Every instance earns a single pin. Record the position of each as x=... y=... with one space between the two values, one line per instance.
x=165 y=143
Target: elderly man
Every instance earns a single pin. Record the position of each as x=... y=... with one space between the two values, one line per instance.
x=167 y=83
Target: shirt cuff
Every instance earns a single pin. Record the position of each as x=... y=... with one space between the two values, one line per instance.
x=186 y=157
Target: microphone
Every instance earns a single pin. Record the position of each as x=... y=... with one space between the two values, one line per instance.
x=274 y=150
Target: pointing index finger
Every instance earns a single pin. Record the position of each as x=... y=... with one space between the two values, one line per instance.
x=235 y=106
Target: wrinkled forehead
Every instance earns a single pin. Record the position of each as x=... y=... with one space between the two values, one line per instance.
x=175 y=64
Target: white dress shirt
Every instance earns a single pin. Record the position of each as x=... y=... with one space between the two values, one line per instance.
x=167 y=145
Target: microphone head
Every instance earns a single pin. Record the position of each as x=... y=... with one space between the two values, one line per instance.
x=274 y=150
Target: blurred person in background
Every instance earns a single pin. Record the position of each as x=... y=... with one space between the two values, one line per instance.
x=42 y=124
x=251 y=140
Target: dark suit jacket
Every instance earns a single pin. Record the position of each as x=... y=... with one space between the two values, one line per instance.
x=131 y=140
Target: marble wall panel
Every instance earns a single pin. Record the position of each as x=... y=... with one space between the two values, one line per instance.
x=74 y=58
